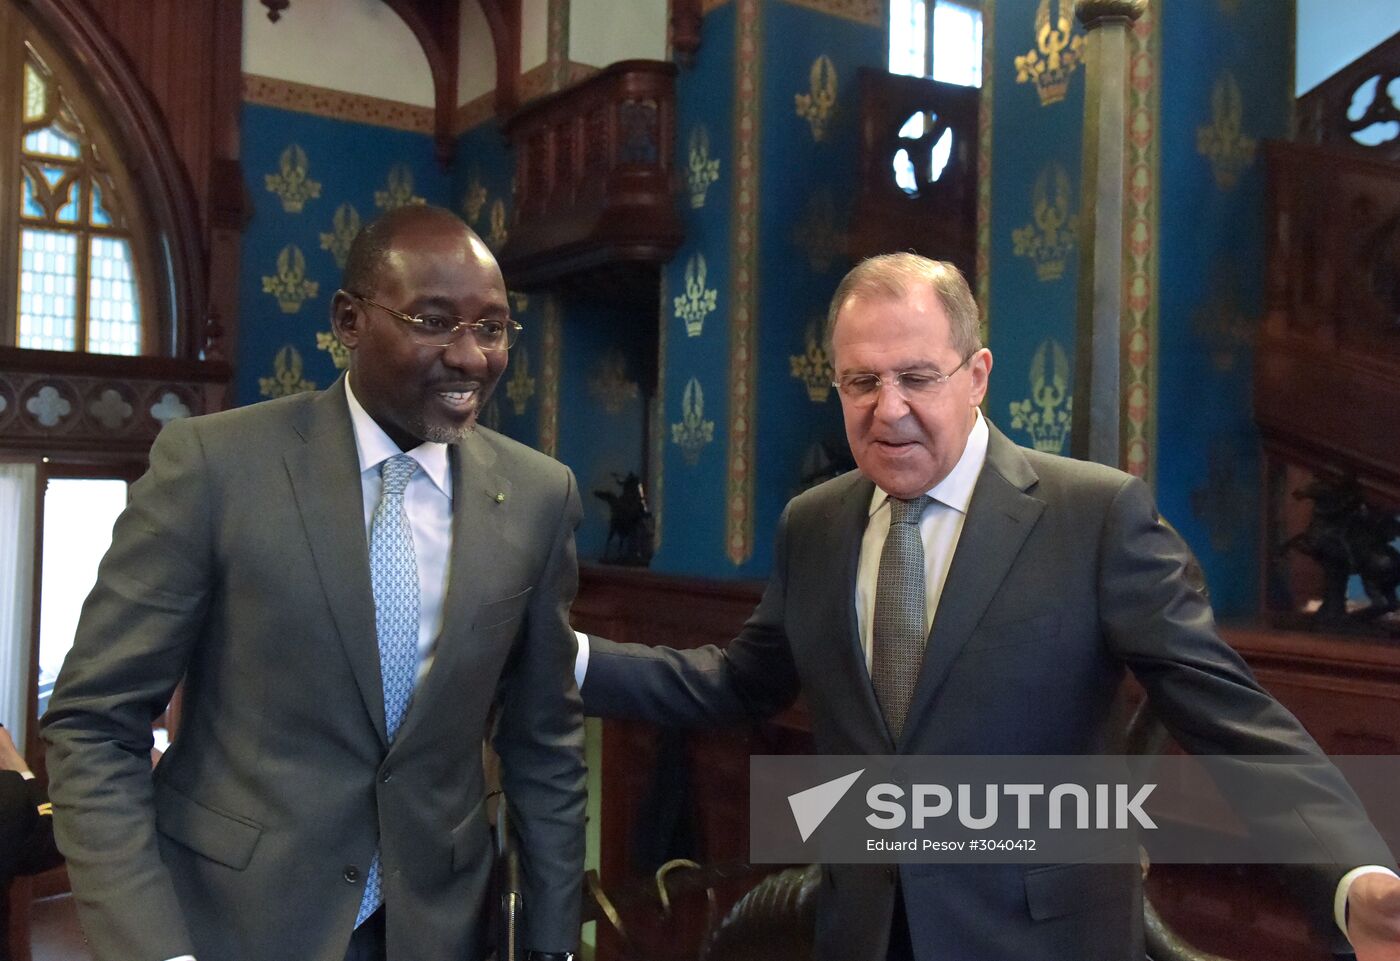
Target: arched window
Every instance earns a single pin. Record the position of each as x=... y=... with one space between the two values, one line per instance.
x=79 y=283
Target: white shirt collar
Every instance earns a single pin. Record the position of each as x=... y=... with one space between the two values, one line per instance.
x=374 y=447
x=955 y=490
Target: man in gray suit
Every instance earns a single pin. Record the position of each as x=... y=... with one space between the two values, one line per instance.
x=961 y=595
x=355 y=585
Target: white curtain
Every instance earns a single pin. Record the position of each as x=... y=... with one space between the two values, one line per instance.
x=17 y=483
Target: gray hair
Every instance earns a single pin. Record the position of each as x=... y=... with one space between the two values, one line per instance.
x=891 y=276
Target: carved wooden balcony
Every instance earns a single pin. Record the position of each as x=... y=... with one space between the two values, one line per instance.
x=593 y=178
x=1358 y=107
x=918 y=169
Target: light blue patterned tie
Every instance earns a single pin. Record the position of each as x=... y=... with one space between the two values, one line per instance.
x=393 y=573
x=900 y=630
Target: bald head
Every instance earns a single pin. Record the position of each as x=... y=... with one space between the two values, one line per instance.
x=364 y=264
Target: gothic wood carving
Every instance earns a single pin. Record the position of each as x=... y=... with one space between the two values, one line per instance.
x=593 y=176
x=1323 y=111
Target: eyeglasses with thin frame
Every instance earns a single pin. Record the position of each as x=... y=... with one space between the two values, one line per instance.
x=444 y=330
x=863 y=389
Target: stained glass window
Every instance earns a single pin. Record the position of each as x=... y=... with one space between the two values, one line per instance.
x=79 y=287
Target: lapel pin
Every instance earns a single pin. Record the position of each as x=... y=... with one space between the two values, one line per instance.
x=500 y=497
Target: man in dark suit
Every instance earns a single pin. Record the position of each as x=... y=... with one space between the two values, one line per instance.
x=351 y=584
x=961 y=595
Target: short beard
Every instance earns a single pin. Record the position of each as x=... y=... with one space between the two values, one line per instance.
x=444 y=434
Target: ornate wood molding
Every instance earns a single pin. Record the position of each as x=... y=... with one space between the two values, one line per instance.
x=97 y=405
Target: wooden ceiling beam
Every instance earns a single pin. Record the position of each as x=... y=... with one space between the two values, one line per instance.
x=437 y=26
x=504 y=18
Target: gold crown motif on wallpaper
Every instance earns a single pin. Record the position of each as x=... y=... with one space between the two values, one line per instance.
x=818 y=104
x=286 y=376
x=1057 y=55
x=1046 y=414
x=292 y=184
x=289 y=285
x=698 y=301
x=703 y=169
x=694 y=431
x=345 y=227
x=1049 y=239
x=813 y=367
x=1223 y=141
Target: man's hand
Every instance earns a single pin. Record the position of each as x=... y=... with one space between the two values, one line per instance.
x=10 y=758
x=1373 y=917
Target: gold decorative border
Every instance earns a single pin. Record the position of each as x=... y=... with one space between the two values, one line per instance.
x=743 y=356
x=869 y=12
x=1141 y=247
x=549 y=378
x=336 y=104
x=984 y=169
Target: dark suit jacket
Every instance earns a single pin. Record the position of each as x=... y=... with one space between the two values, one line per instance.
x=241 y=564
x=1063 y=578
x=26 y=835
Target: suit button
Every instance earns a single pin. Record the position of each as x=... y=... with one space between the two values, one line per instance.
x=386 y=776
x=352 y=874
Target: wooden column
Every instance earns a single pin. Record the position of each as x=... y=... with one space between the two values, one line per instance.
x=1096 y=432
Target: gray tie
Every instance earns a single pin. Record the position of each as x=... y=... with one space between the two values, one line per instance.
x=900 y=623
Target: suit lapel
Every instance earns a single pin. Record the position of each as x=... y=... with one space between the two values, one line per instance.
x=325 y=478
x=847 y=517
x=481 y=507
x=999 y=518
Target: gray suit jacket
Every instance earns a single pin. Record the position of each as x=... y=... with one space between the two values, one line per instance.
x=241 y=565
x=1063 y=578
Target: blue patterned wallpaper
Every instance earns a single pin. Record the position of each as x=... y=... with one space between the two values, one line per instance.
x=312 y=181
x=1226 y=88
